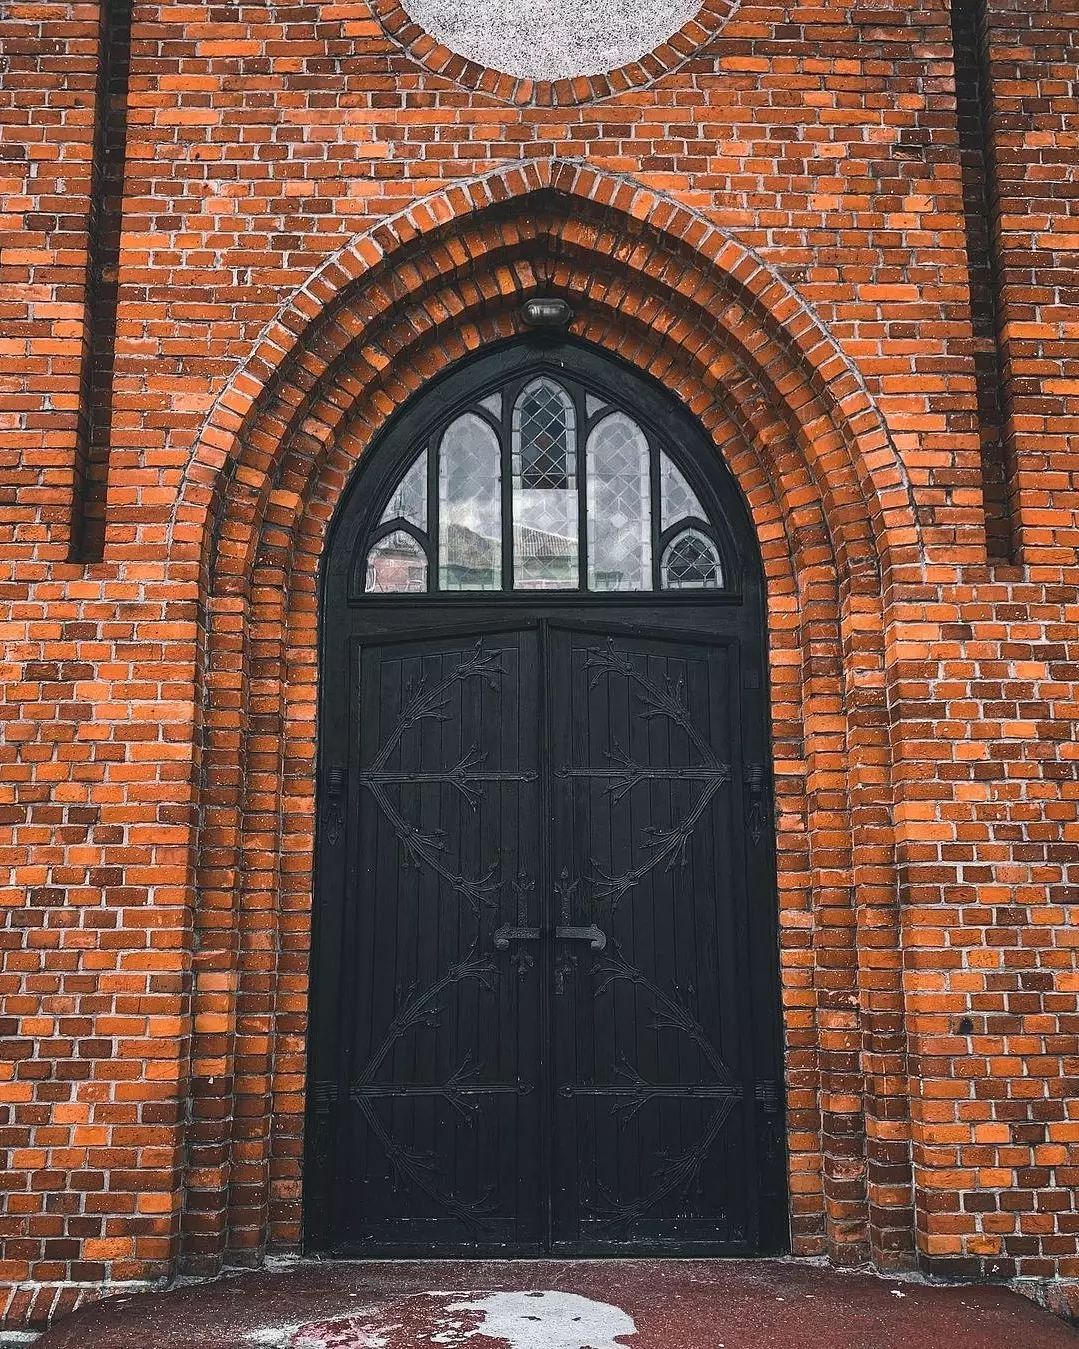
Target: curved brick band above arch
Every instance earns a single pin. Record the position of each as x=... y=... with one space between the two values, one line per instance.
x=844 y=434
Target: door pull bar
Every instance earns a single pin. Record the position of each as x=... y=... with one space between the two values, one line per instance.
x=505 y=934
x=595 y=936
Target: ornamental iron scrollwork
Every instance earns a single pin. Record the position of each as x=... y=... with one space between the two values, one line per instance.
x=508 y=933
x=669 y=845
x=467 y=776
x=459 y=1090
x=669 y=1012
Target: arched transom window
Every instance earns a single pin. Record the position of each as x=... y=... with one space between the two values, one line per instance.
x=543 y=485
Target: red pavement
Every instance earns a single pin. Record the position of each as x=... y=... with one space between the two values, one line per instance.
x=586 y=1304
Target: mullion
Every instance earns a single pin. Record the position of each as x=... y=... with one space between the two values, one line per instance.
x=434 y=572
x=510 y=394
x=580 y=432
x=505 y=459
x=655 y=507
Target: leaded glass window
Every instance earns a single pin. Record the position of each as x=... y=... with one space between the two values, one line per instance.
x=469 y=506
x=409 y=500
x=679 y=501
x=619 y=518
x=396 y=564
x=545 y=489
x=544 y=484
x=691 y=562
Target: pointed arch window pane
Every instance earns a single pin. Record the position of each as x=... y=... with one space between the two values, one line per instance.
x=678 y=499
x=470 y=514
x=619 y=514
x=396 y=565
x=409 y=500
x=544 y=457
x=691 y=562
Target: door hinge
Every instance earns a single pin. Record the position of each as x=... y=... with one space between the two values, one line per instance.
x=768 y=1097
x=323 y=1097
x=756 y=783
x=334 y=814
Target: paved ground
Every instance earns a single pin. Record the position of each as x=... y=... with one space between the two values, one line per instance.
x=600 y=1304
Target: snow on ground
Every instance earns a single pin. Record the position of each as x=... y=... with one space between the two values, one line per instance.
x=533 y=1320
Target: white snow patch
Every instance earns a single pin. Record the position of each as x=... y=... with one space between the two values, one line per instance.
x=549 y=1320
x=302 y=1336
x=273 y=1337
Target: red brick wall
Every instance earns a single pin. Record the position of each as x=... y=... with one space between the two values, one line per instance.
x=316 y=220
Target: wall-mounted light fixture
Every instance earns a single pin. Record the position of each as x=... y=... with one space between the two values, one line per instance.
x=546 y=313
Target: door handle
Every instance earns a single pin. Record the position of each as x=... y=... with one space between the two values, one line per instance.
x=505 y=934
x=595 y=936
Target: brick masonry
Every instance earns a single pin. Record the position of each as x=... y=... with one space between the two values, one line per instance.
x=322 y=211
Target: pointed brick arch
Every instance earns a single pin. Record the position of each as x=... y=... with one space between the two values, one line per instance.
x=832 y=507
x=680 y=250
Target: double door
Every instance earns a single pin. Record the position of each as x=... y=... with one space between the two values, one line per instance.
x=545 y=1016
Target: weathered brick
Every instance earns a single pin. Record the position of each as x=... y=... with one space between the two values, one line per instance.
x=318 y=217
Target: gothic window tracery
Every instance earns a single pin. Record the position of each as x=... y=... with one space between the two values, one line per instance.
x=544 y=485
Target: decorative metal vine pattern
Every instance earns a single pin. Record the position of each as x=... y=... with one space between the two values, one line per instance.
x=624 y=773
x=466 y=776
x=459 y=1090
x=669 y=1013
x=541 y=1021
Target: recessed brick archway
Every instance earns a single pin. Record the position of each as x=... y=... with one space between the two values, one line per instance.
x=832 y=508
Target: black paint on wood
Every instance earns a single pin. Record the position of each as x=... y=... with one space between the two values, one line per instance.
x=544 y=1007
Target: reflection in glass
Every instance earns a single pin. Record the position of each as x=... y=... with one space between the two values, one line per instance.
x=396 y=565
x=691 y=562
x=470 y=517
x=619 y=527
x=409 y=500
x=544 y=455
x=678 y=499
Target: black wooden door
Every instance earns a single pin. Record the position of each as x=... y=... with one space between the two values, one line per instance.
x=653 y=1078
x=438 y=1107
x=544 y=1009
x=544 y=1022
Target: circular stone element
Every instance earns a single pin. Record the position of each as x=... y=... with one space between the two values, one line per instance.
x=552 y=39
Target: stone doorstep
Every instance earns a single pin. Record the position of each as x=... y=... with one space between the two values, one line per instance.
x=547 y=1304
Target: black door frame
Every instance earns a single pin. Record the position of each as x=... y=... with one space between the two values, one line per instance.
x=346 y=616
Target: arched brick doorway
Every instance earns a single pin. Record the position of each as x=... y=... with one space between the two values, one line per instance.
x=830 y=503
x=545 y=1001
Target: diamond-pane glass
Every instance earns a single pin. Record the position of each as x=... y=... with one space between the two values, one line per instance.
x=619 y=516
x=470 y=514
x=678 y=499
x=396 y=565
x=409 y=500
x=544 y=454
x=544 y=436
x=586 y=483
x=691 y=562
